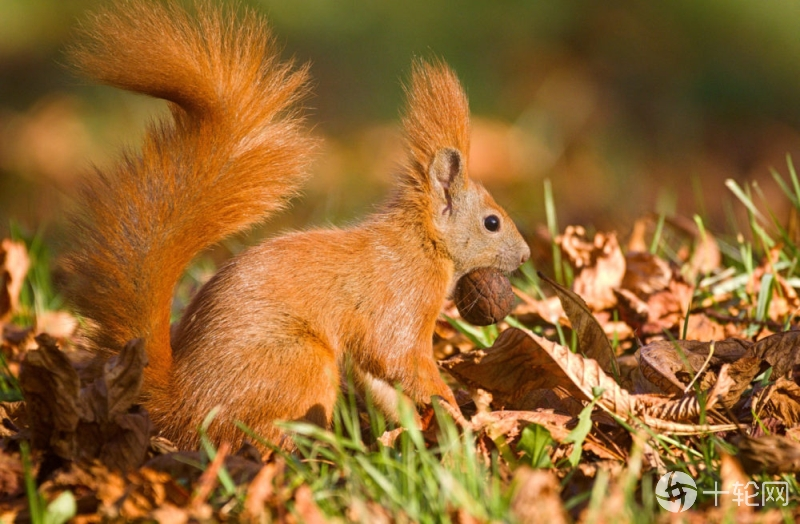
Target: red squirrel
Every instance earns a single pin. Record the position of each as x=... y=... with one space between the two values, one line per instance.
x=266 y=337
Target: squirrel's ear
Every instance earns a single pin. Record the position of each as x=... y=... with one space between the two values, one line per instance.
x=447 y=177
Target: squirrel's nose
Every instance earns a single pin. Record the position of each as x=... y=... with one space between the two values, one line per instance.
x=526 y=254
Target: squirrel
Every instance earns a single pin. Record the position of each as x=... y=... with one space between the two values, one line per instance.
x=266 y=337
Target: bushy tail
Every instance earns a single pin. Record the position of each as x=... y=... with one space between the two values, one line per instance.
x=233 y=152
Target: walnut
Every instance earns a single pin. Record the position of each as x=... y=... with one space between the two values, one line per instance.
x=484 y=296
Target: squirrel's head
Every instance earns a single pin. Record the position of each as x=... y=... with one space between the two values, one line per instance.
x=473 y=229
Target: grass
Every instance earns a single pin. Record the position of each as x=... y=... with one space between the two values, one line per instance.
x=412 y=480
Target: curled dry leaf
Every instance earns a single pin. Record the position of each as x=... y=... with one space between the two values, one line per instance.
x=599 y=265
x=592 y=339
x=14 y=264
x=521 y=361
x=780 y=400
x=99 y=421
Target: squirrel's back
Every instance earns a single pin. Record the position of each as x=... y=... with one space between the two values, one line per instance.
x=232 y=152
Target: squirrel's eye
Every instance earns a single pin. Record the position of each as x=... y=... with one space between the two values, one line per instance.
x=492 y=223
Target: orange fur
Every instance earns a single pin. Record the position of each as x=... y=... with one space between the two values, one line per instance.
x=266 y=338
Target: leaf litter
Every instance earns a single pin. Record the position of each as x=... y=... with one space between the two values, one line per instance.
x=630 y=374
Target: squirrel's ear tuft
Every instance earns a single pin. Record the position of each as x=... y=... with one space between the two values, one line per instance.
x=436 y=124
x=447 y=177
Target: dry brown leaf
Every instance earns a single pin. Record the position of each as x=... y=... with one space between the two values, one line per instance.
x=666 y=309
x=780 y=351
x=784 y=300
x=96 y=422
x=166 y=513
x=701 y=327
x=14 y=264
x=645 y=274
x=781 y=400
x=510 y=423
x=51 y=387
x=589 y=378
x=663 y=367
x=599 y=265
x=771 y=454
x=508 y=370
x=558 y=400
x=637 y=242
x=592 y=339
x=537 y=497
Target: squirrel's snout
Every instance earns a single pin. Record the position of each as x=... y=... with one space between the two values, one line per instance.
x=526 y=254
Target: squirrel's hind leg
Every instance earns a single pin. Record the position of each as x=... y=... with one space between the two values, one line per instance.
x=301 y=385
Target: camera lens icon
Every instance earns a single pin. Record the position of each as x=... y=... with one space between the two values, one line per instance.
x=676 y=491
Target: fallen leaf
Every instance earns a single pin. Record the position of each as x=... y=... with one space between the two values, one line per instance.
x=99 y=421
x=509 y=369
x=663 y=363
x=591 y=380
x=780 y=400
x=510 y=423
x=645 y=274
x=51 y=387
x=705 y=254
x=599 y=265
x=780 y=351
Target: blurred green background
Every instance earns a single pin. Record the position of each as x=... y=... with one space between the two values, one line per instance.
x=627 y=106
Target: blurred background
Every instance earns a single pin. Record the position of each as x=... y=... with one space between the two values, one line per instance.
x=626 y=106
